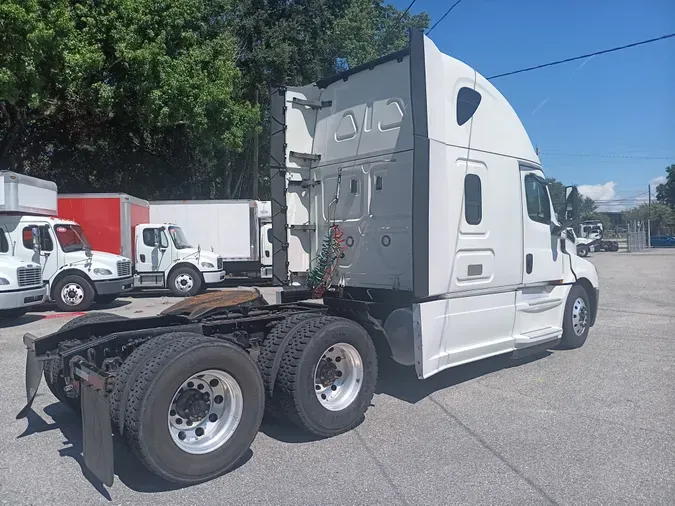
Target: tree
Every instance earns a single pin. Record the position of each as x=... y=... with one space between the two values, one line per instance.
x=665 y=193
x=661 y=215
x=162 y=98
x=587 y=207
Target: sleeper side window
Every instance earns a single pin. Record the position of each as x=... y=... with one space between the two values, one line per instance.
x=473 y=199
x=538 y=203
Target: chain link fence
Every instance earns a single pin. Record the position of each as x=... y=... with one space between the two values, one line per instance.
x=636 y=236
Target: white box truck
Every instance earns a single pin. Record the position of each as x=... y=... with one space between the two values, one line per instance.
x=75 y=276
x=420 y=214
x=238 y=230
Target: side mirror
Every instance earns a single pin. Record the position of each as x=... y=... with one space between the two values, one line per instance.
x=571 y=203
x=37 y=246
x=88 y=253
x=156 y=238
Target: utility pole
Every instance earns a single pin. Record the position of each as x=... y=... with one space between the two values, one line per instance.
x=255 y=155
x=649 y=217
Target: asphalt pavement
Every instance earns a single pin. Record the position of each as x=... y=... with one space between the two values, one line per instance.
x=589 y=426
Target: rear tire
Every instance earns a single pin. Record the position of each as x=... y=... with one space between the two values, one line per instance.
x=576 y=323
x=154 y=403
x=128 y=372
x=269 y=358
x=53 y=372
x=309 y=371
x=185 y=282
x=73 y=293
x=582 y=250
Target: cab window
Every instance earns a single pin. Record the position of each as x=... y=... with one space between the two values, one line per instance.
x=4 y=243
x=46 y=243
x=149 y=238
x=538 y=203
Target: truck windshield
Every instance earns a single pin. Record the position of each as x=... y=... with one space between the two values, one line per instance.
x=178 y=237
x=71 y=238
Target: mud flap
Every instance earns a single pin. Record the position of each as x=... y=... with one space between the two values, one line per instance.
x=97 y=441
x=34 y=368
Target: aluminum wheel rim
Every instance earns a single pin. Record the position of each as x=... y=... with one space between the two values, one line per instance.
x=72 y=294
x=338 y=377
x=212 y=423
x=184 y=282
x=579 y=316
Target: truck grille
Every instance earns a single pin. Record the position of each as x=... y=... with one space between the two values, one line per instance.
x=220 y=264
x=123 y=269
x=29 y=276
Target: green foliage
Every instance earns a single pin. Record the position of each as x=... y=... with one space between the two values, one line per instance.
x=587 y=207
x=665 y=193
x=661 y=215
x=161 y=98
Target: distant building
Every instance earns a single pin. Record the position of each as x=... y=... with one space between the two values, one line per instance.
x=616 y=218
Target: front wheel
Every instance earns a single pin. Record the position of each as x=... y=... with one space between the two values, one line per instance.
x=185 y=282
x=327 y=376
x=73 y=293
x=576 y=323
x=582 y=250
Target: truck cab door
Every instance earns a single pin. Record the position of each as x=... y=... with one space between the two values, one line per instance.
x=47 y=257
x=540 y=301
x=542 y=257
x=153 y=250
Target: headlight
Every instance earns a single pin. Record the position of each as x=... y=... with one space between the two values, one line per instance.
x=207 y=265
x=102 y=272
x=4 y=281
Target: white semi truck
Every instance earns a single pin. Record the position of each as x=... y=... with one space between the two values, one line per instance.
x=75 y=276
x=240 y=231
x=407 y=194
x=21 y=283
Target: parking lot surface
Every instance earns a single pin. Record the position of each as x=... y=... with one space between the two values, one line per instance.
x=589 y=426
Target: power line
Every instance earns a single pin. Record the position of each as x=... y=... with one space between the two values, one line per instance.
x=591 y=155
x=443 y=17
x=567 y=60
x=406 y=11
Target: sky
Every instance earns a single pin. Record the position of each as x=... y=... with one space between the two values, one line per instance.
x=620 y=105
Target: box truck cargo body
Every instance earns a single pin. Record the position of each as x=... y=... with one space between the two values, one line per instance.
x=75 y=276
x=238 y=230
x=406 y=193
x=162 y=254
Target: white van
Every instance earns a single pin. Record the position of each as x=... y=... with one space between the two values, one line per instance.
x=20 y=283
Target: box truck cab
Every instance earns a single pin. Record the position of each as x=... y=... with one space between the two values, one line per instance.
x=163 y=256
x=20 y=282
x=238 y=230
x=75 y=275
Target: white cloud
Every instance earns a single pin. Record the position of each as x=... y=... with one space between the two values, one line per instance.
x=657 y=181
x=605 y=191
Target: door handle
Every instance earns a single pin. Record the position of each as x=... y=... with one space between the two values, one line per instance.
x=528 y=263
x=142 y=257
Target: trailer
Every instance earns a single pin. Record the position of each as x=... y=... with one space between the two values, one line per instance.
x=238 y=230
x=161 y=254
x=408 y=196
x=73 y=275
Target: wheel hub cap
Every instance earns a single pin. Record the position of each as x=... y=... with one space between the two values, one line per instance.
x=338 y=376
x=579 y=316
x=205 y=411
x=72 y=294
